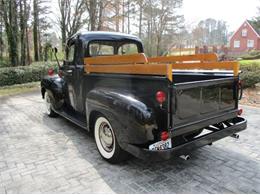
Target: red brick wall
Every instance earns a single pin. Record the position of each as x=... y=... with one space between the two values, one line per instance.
x=251 y=35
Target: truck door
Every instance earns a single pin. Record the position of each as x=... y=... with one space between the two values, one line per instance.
x=73 y=72
x=69 y=75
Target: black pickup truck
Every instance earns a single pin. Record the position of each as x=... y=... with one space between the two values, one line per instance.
x=153 y=108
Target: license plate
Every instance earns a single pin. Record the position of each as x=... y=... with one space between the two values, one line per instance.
x=162 y=145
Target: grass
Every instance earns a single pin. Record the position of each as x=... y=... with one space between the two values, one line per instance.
x=249 y=62
x=18 y=89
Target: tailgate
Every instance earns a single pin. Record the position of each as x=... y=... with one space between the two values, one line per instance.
x=196 y=101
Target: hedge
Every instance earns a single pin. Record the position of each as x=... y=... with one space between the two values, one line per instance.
x=250 y=73
x=24 y=74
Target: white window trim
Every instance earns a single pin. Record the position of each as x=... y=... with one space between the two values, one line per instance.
x=250 y=43
x=236 y=44
x=244 y=32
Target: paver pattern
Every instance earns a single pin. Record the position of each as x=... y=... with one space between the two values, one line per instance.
x=44 y=155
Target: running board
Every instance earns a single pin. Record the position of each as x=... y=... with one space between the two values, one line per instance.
x=79 y=121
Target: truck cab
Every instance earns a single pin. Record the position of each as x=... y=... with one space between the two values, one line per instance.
x=153 y=108
x=92 y=44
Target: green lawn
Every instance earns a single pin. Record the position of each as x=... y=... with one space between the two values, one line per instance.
x=19 y=88
x=250 y=62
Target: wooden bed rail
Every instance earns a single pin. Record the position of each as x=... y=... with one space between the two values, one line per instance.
x=227 y=65
x=138 y=64
x=138 y=69
x=212 y=57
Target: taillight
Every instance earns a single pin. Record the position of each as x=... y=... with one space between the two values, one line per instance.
x=164 y=135
x=160 y=97
x=240 y=112
x=50 y=72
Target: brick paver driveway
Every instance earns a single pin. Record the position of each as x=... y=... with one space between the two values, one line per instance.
x=39 y=154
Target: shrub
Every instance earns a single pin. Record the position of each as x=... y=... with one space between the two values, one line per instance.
x=24 y=74
x=252 y=55
x=4 y=62
x=250 y=74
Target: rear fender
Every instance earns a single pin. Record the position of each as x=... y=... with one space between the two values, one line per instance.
x=132 y=120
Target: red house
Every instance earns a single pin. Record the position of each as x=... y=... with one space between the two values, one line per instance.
x=246 y=38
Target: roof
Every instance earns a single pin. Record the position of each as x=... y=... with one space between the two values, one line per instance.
x=254 y=26
x=104 y=35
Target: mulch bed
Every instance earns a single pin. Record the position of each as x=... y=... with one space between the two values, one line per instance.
x=251 y=97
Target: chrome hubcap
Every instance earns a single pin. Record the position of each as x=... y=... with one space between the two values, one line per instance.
x=106 y=137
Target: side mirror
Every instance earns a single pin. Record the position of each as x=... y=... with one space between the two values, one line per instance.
x=55 y=54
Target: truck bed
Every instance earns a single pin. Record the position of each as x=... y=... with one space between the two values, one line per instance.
x=198 y=97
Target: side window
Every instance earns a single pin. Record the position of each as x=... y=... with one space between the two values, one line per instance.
x=70 y=54
x=128 y=48
x=100 y=49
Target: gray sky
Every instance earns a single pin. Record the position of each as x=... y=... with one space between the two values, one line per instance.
x=234 y=12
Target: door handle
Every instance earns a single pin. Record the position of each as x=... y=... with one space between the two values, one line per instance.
x=69 y=71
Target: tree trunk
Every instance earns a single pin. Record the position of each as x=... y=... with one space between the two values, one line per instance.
x=92 y=14
x=40 y=45
x=10 y=20
x=117 y=15
x=100 y=16
x=22 y=34
x=123 y=16
x=140 y=17
x=28 y=56
x=158 y=46
x=1 y=32
x=35 y=30
x=128 y=16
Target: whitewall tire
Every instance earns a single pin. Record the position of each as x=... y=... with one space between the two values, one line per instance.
x=106 y=141
x=48 y=105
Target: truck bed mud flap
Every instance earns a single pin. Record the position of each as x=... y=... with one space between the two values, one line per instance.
x=238 y=124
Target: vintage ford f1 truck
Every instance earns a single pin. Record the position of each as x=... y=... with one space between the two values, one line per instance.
x=153 y=108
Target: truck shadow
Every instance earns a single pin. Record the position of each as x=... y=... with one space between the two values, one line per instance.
x=221 y=168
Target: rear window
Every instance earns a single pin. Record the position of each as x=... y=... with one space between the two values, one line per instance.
x=127 y=49
x=100 y=49
x=109 y=48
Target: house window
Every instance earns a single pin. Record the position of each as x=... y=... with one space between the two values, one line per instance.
x=250 y=43
x=244 y=32
x=236 y=44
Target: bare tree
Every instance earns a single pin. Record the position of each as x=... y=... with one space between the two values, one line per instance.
x=92 y=7
x=71 y=17
x=210 y=32
x=161 y=23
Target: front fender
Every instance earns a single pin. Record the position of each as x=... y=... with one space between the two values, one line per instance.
x=55 y=86
x=132 y=120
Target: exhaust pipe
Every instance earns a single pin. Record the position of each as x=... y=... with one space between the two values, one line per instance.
x=185 y=157
x=236 y=136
